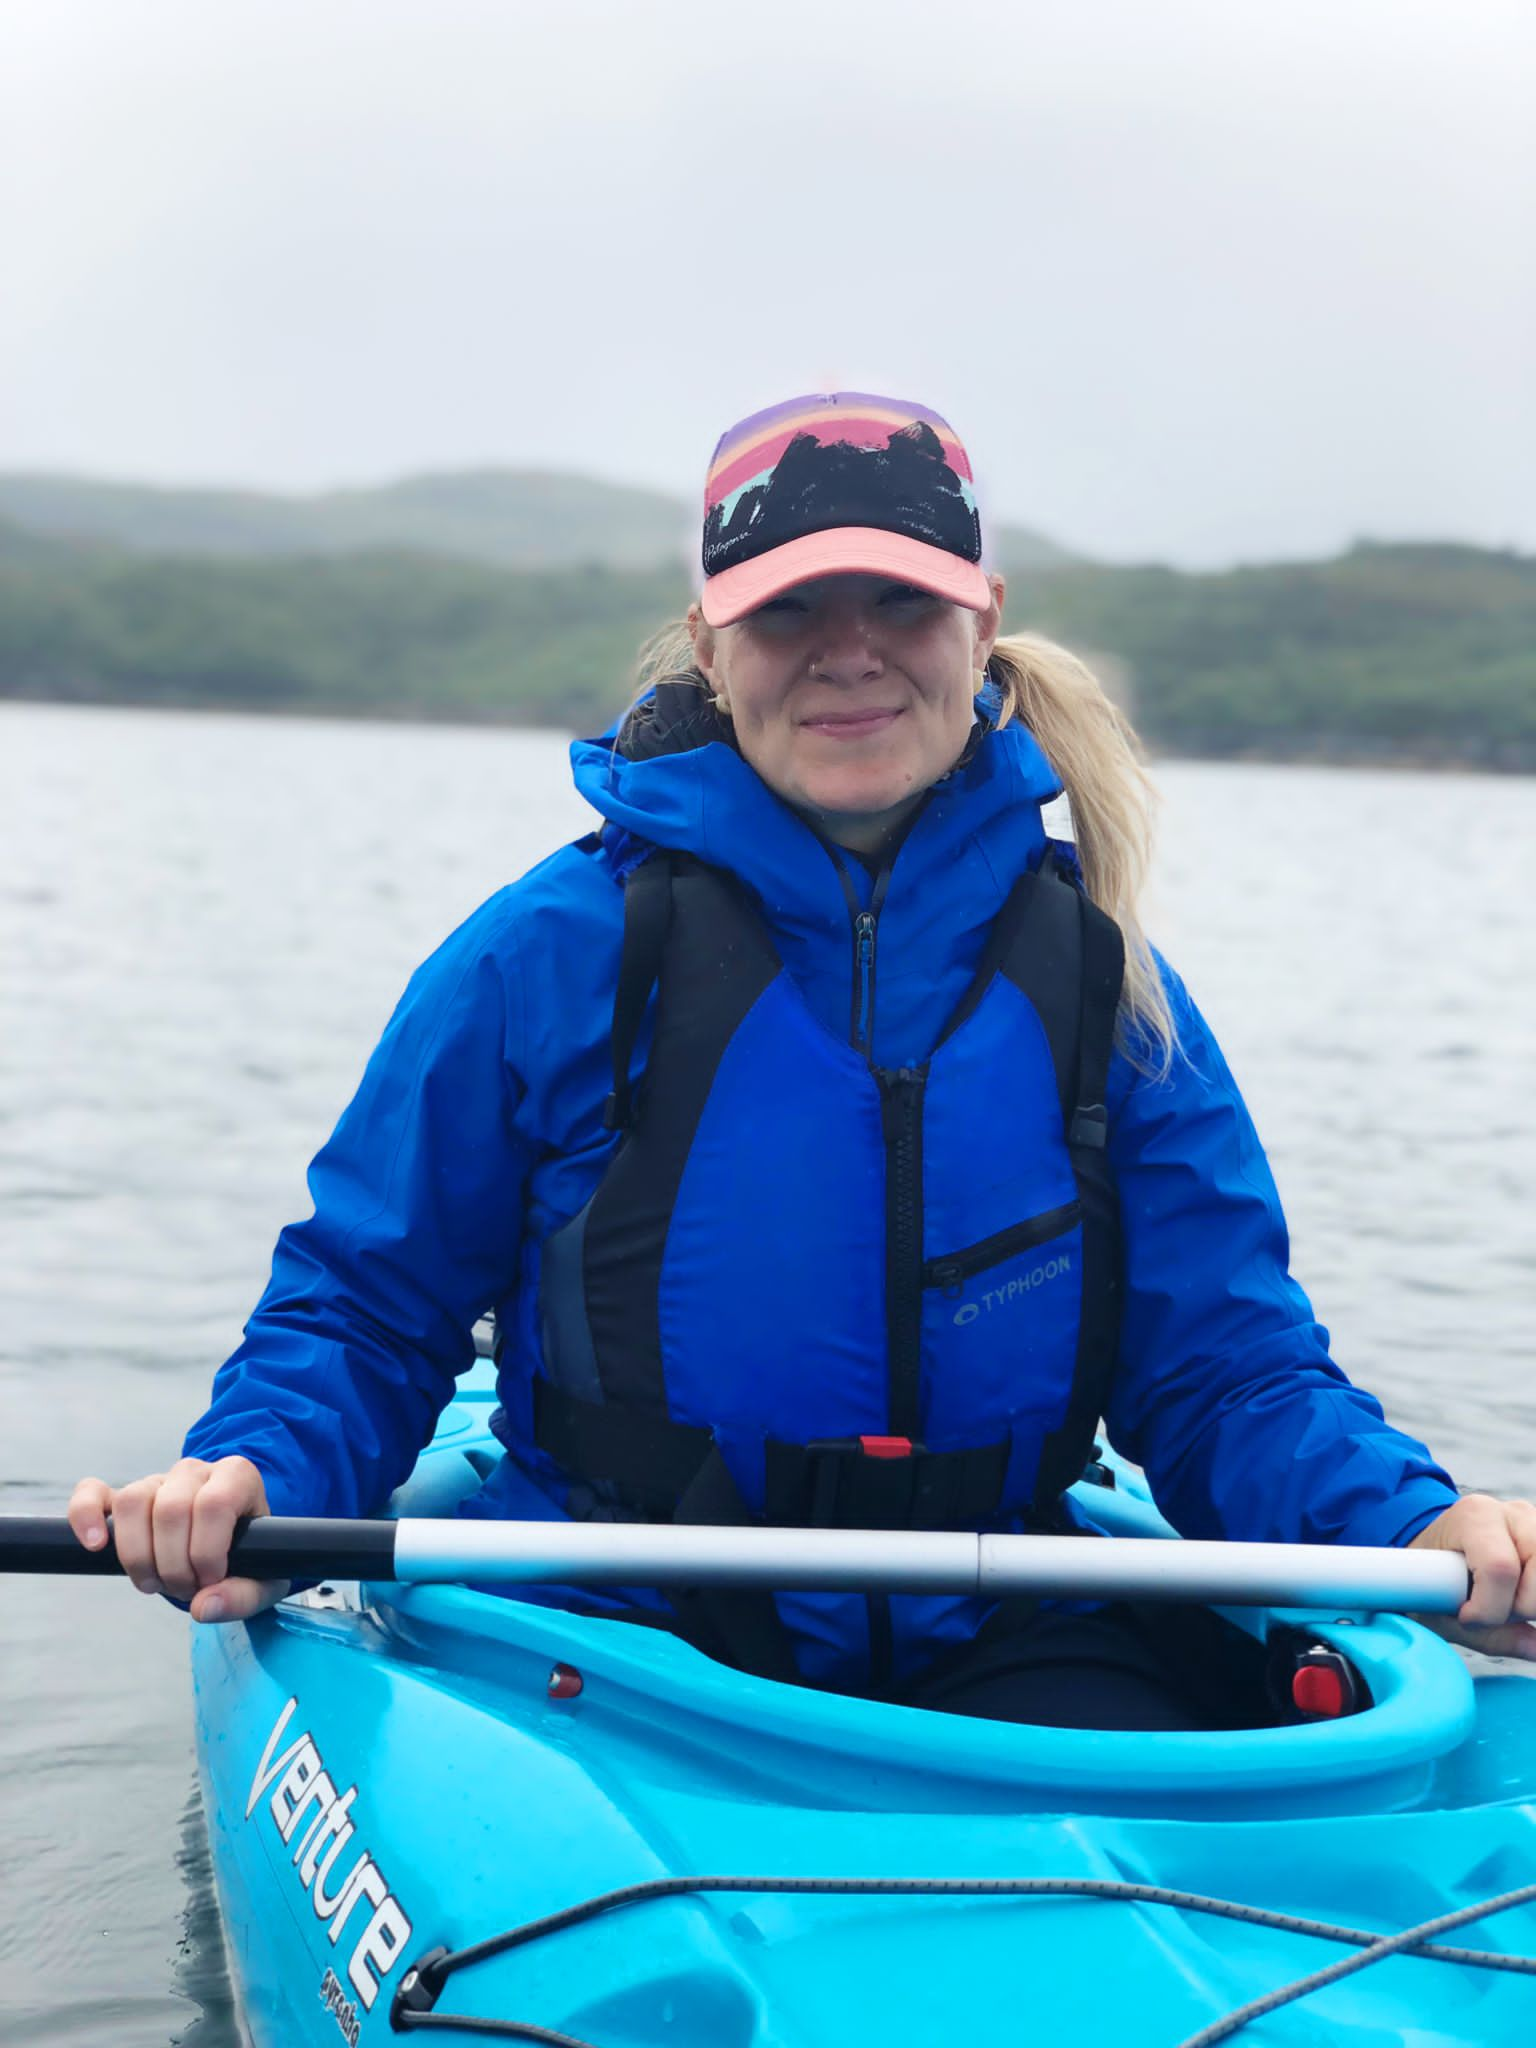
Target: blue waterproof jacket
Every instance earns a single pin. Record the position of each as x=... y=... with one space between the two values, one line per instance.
x=477 y=1133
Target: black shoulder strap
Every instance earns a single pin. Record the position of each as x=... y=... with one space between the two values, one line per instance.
x=693 y=934
x=1044 y=959
x=1102 y=979
x=1068 y=958
x=647 y=917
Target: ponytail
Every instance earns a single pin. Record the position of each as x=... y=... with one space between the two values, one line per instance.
x=1093 y=750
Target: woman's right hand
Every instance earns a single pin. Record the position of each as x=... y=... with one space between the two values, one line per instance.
x=173 y=1531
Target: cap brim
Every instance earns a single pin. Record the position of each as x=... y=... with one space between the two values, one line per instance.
x=843 y=551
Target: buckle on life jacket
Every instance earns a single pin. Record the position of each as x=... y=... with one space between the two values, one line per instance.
x=862 y=1482
x=883 y=1482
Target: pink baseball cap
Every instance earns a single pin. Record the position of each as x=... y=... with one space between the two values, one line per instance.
x=834 y=483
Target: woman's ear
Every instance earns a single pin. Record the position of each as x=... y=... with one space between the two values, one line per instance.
x=702 y=634
x=990 y=622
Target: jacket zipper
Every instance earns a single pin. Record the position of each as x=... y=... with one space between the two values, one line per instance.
x=864 y=927
x=952 y=1270
x=901 y=1117
x=865 y=924
x=901 y=1121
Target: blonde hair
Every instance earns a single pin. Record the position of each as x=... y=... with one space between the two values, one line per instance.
x=1092 y=748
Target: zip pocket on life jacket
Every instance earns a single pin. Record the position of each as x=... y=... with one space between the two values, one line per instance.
x=953 y=1270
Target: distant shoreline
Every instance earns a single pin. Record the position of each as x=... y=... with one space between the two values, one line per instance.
x=1420 y=655
x=1340 y=750
x=1344 y=750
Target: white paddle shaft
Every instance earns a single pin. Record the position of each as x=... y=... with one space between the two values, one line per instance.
x=867 y=1560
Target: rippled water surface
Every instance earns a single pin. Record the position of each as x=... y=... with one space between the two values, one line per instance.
x=204 y=922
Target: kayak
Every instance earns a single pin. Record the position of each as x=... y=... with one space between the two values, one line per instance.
x=647 y=1847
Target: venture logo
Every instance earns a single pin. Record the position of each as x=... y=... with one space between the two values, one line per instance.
x=307 y=1810
x=997 y=1297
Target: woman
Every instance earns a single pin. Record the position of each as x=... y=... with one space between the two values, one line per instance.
x=826 y=1153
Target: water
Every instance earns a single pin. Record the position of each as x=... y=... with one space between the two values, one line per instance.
x=204 y=922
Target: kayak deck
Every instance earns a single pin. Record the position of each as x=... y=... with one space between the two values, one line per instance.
x=482 y=1799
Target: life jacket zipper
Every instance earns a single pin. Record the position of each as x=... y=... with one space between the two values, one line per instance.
x=901 y=1119
x=901 y=1116
x=952 y=1270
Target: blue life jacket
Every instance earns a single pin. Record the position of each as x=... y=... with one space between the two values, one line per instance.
x=816 y=1291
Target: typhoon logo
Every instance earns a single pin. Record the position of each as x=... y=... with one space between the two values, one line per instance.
x=1026 y=1283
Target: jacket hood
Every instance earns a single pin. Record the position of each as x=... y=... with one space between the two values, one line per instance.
x=672 y=774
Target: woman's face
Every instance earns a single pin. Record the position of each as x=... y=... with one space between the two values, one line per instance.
x=850 y=695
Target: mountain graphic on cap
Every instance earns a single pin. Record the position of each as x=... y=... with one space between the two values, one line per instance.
x=839 y=483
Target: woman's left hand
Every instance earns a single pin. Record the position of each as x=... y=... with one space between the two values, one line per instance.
x=1498 y=1540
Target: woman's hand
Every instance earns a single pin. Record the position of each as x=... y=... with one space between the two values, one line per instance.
x=174 y=1529
x=1498 y=1540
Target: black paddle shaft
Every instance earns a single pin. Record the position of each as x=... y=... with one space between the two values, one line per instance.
x=291 y=1547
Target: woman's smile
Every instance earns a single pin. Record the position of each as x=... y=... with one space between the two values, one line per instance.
x=856 y=723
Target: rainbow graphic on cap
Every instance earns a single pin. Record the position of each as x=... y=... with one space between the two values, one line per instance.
x=839 y=481
x=746 y=453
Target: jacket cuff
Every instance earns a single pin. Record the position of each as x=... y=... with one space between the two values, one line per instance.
x=1394 y=1521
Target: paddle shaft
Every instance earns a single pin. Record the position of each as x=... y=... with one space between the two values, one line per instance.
x=420 y=1551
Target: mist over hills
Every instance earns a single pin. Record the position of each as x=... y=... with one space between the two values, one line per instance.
x=527 y=519
x=516 y=518
x=524 y=596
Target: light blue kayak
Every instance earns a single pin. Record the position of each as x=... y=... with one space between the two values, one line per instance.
x=391 y=1772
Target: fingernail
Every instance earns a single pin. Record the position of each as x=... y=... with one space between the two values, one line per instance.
x=95 y=1536
x=213 y=1608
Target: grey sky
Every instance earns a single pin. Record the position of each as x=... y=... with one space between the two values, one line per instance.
x=1199 y=280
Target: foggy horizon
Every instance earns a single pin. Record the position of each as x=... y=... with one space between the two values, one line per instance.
x=1195 y=285
x=688 y=536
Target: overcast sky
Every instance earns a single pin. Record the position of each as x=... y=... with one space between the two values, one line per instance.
x=1196 y=280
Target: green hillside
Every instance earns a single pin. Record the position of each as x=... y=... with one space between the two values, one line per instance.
x=1424 y=653
x=378 y=634
x=20 y=544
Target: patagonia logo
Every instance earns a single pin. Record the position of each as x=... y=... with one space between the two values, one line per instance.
x=997 y=1297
